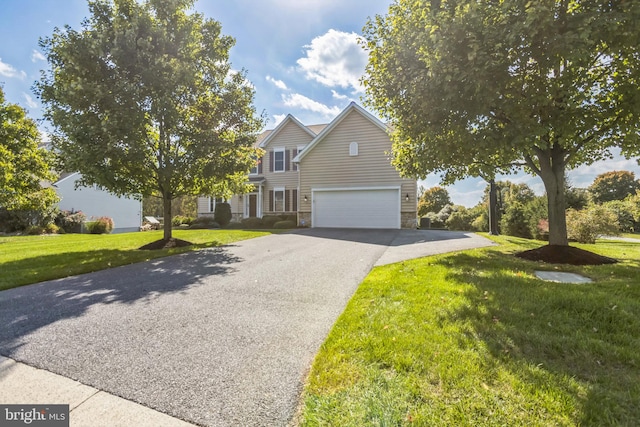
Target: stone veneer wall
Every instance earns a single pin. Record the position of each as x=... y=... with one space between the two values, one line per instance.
x=304 y=219
x=408 y=220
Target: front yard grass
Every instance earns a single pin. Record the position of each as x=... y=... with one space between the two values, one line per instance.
x=474 y=339
x=31 y=259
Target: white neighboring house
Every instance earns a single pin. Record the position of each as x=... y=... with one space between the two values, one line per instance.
x=126 y=212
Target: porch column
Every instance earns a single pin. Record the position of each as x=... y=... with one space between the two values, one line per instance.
x=259 y=207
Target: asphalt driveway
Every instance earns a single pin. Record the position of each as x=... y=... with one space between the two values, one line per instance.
x=221 y=336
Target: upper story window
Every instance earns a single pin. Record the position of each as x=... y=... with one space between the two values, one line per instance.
x=278 y=160
x=257 y=169
x=353 y=149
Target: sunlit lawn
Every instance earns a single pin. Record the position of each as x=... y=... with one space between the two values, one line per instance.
x=30 y=259
x=474 y=339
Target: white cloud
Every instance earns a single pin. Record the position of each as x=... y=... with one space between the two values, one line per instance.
x=278 y=83
x=337 y=95
x=278 y=119
x=29 y=100
x=335 y=60
x=300 y=101
x=8 y=71
x=37 y=56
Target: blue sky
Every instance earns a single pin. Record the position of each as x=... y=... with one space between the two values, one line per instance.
x=301 y=55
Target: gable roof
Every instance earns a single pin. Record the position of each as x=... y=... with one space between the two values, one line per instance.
x=276 y=131
x=327 y=129
x=64 y=176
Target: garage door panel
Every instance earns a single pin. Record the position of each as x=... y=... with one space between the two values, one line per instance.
x=369 y=208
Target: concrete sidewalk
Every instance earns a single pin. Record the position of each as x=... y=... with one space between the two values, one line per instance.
x=88 y=407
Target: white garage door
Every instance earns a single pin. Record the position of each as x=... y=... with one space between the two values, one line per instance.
x=361 y=208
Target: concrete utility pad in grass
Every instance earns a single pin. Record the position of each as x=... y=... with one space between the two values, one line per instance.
x=556 y=276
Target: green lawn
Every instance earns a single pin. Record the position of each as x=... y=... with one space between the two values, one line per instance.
x=31 y=259
x=474 y=339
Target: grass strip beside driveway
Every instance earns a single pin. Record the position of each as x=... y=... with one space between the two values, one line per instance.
x=474 y=339
x=31 y=259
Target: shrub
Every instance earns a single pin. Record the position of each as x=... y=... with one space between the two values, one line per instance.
x=293 y=218
x=252 y=222
x=203 y=222
x=235 y=226
x=284 y=224
x=269 y=220
x=435 y=221
x=481 y=223
x=102 y=225
x=222 y=213
x=70 y=221
x=34 y=230
x=586 y=225
x=624 y=214
x=515 y=222
x=178 y=220
x=461 y=219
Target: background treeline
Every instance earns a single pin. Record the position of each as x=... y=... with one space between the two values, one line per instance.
x=609 y=206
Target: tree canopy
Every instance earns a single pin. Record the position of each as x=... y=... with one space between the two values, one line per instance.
x=144 y=101
x=476 y=88
x=614 y=185
x=24 y=164
x=433 y=200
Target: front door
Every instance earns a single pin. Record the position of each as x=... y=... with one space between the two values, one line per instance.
x=253 y=205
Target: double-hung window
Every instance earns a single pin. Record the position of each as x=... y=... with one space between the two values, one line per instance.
x=278 y=199
x=278 y=160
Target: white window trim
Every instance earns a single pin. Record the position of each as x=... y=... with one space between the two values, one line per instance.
x=276 y=190
x=284 y=160
x=353 y=149
x=213 y=201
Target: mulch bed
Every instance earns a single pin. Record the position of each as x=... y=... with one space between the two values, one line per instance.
x=559 y=254
x=165 y=244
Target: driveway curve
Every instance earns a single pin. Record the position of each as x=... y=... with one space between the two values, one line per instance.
x=217 y=337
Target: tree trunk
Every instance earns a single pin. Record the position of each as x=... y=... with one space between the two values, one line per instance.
x=493 y=208
x=166 y=202
x=552 y=172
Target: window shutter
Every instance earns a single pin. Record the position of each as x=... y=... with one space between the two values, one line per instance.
x=287 y=162
x=270 y=200
x=260 y=165
x=286 y=200
x=271 y=158
x=295 y=165
x=294 y=200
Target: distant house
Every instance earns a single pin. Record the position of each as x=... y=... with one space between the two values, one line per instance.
x=126 y=212
x=333 y=175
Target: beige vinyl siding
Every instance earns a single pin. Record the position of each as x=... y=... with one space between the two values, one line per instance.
x=203 y=205
x=329 y=165
x=290 y=137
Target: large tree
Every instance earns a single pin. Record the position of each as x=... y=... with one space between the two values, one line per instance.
x=433 y=200
x=614 y=185
x=24 y=164
x=144 y=101
x=474 y=86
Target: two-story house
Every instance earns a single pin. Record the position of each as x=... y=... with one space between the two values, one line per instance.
x=332 y=175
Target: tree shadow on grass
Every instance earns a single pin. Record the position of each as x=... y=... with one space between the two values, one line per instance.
x=568 y=332
x=28 y=308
